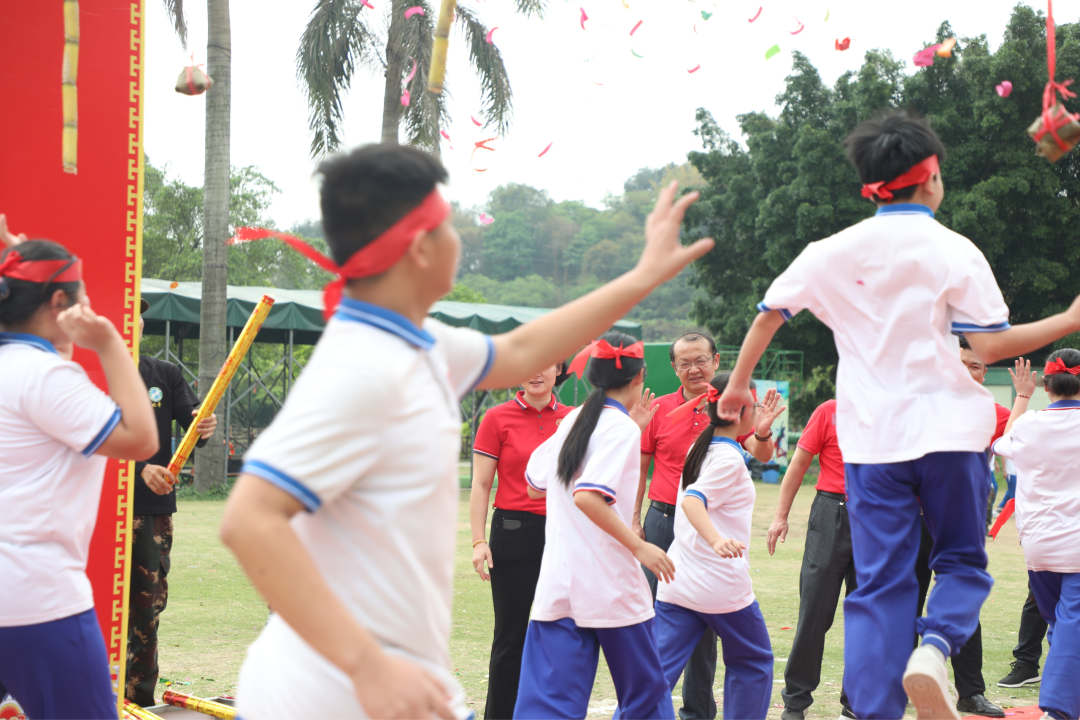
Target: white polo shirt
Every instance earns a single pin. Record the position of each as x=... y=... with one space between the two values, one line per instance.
x=704 y=581
x=368 y=442
x=894 y=289
x=586 y=575
x=52 y=421
x=1043 y=446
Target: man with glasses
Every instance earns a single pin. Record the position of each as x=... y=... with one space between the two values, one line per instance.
x=695 y=361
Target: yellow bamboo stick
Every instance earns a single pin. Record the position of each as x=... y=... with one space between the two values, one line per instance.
x=206 y=707
x=437 y=72
x=217 y=390
x=138 y=713
x=70 y=94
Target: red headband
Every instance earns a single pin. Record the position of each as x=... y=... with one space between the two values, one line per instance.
x=917 y=175
x=376 y=257
x=16 y=267
x=602 y=349
x=1057 y=367
x=712 y=395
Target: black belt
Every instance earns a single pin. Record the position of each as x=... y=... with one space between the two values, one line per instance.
x=662 y=507
x=834 y=496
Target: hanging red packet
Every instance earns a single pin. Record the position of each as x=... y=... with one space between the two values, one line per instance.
x=1056 y=131
x=193 y=81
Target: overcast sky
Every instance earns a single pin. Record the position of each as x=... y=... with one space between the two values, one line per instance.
x=606 y=111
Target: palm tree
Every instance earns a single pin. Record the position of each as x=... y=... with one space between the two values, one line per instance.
x=340 y=35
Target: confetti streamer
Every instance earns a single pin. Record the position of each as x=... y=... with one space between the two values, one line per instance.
x=757 y=15
x=365 y=3
x=801 y=28
x=544 y=151
x=415 y=10
x=1004 y=89
x=487 y=38
x=707 y=15
x=447 y=136
x=843 y=44
x=584 y=17
x=925 y=57
x=634 y=30
x=694 y=69
x=406 y=96
x=486 y=219
x=412 y=73
x=827 y=11
x=480 y=144
x=946 y=48
x=774 y=50
x=635 y=53
x=476 y=122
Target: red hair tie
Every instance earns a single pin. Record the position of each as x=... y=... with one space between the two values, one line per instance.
x=712 y=395
x=16 y=267
x=605 y=351
x=917 y=175
x=1057 y=367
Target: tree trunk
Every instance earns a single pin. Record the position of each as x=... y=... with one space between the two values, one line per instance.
x=395 y=66
x=210 y=461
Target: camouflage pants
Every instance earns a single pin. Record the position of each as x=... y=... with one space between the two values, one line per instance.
x=151 y=541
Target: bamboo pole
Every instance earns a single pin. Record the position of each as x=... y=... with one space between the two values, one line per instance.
x=131 y=710
x=437 y=71
x=70 y=74
x=206 y=707
x=225 y=376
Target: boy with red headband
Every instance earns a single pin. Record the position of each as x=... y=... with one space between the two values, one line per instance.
x=345 y=513
x=894 y=289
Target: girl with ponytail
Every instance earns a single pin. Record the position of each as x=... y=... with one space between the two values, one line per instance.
x=591 y=593
x=712 y=533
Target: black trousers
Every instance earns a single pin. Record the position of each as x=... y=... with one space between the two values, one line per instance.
x=698 y=700
x=967 y=664
x=517 y=548
x=1032 y=631
x=827 y=564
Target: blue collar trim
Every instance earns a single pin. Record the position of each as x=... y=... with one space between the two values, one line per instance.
x=10 y=338
x=608 y=402
x=904 y=209
x=388 y=320
x=717 y=440
x=1063 y=404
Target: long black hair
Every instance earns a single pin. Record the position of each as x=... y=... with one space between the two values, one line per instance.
x=20 y=299
x=1063 y=384
x=602 y=375
x=696 y=458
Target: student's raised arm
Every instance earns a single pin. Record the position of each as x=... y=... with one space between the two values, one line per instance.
x=737 y=393
x=793 y=478
x=524 y=351
x=1024 y=382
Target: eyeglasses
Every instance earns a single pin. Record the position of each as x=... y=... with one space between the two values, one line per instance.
x=700 y=363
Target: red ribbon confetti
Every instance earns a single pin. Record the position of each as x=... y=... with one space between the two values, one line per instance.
x=487 y=38
x=584 y=17
x=415 y=10
x=634 y=30
x=544 y=151
x=757 y=15
x=843 y=44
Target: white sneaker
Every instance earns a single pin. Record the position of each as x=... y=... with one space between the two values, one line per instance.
x=926 y=681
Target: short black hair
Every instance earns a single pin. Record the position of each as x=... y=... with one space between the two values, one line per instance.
x=367 y=190
x=888 y=145
x=692 y=336
x=964 y=344
x=20 y=299
x=1063 y=384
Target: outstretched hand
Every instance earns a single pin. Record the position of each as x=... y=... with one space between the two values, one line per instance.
x=768 y=411
x=1023 y=379
x=731 y=403
x=643 y=410
x=664 y=255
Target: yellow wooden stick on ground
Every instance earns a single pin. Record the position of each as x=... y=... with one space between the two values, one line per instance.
x=206 y=707
x=217 y=390
x=131 y=710
x=70 y=74
x=437 y=71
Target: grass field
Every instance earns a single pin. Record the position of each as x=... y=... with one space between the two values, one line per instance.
x=214 y=614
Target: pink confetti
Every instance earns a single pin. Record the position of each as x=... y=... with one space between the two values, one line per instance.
x=1004 y=90
x=634 y=30
x=487 y=38
x=544 y=151
x=843 y=44
x=801 y=27
x=406 y=98
x=925 y=58
x=486 y=219
x=445 y=135
x=756 y=16
x=415 y=10
x=785 y=628
x=366 y=4
x=584 y=17
x=413 y=73
x=859 y=282
x=476 y=122
x=694 y=69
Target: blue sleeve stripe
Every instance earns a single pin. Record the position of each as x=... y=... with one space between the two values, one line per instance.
x=699 y=496
x=533 y=485
x=993 y=448
x=487 y=365
x=964 y=328
x=297 y=489
x=481 y=452
x=607 y=492
x=102 y=436
x=784 y=312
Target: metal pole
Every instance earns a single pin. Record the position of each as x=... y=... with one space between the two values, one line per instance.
x=167 y=329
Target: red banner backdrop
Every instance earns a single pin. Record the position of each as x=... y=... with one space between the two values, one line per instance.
x=71 y=170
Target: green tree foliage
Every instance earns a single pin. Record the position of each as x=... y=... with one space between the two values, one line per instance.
x=463 y=293
x=789 y=184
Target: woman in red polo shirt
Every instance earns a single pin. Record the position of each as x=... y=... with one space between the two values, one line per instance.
x=504 y=442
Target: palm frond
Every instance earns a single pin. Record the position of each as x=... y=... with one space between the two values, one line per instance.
x=423 y=117
x=528 y=8
x=336 y=39
x=175 y=9
x=488 y=63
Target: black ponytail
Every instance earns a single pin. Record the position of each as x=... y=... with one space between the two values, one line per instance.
x=1063 y=384
x=20 y=299
x=696 y=458
x=602 y=375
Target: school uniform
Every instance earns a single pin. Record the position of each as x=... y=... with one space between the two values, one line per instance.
x=893 y=289
x=368 y=443
x=591 y=593
x=827 y=565
x=509 y=433
x=1046 y=450
x=668 y=441
x=713 y=592
x=53 y=420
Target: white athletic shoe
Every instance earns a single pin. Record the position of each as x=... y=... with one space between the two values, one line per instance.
x=926 y=681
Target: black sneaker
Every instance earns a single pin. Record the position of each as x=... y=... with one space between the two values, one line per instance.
x=792 y=714
x=1021 y=674
x=847 y=712
x=979 y=705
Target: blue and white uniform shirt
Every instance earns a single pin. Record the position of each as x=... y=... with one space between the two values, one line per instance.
x=586 y=574
x=704 y=581
x=895 y=289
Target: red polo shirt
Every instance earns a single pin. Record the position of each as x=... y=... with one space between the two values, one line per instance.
x=669 y=441
x=819 y=438
x=509 y=433
x=1003 y=414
